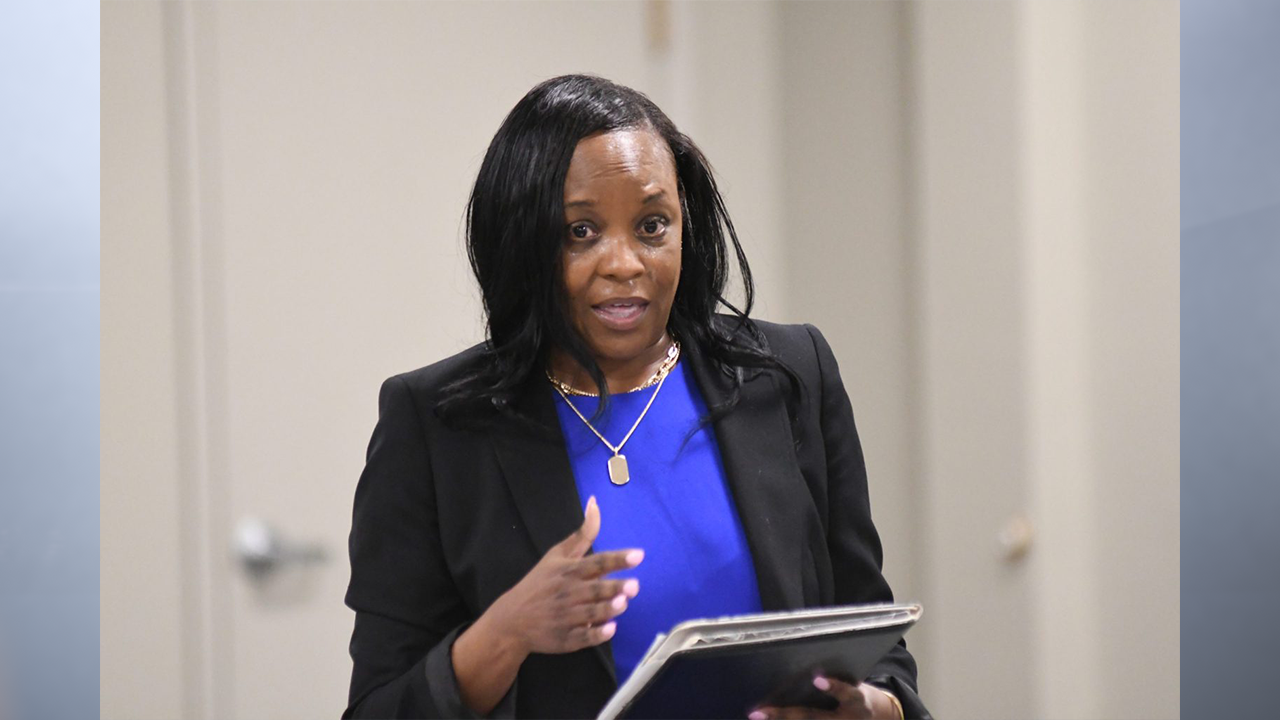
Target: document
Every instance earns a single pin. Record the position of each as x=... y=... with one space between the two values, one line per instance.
x=723 y=667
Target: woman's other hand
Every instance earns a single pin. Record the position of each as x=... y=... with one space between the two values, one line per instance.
x=856 y=701
x=564 y=603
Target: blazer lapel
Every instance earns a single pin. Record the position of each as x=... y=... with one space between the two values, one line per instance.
x=763 y=475
x=536 y=467
x=537 y=470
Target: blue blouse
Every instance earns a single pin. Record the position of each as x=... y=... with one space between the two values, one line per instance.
x=677 y=508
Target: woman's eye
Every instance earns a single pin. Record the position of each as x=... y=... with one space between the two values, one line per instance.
x=580 y=231
x=653 y=226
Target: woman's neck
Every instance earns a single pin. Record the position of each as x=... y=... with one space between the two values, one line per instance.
x=620 y=374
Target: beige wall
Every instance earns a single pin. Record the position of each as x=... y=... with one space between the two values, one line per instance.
x=973 y=466
x=739 y=124
x=976 y=203
x=846 y=236
x=142 y=629
x=1132 y=197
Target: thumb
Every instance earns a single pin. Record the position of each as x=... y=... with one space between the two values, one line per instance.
x=579 y=541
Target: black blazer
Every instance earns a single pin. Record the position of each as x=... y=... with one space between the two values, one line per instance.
x=447 y=519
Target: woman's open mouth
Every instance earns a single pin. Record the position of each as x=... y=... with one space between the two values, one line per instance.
x=621 y=314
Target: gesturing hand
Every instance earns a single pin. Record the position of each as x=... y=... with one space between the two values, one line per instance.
x=563 y=604
x=856 y=701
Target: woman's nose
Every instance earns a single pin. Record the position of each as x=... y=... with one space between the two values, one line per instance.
x=621 y=260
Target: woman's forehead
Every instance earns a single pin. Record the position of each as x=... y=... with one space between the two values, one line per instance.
x=634 y=156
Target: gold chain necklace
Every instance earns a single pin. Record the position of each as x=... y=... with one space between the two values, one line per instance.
x=619 y=473
x=673 y=354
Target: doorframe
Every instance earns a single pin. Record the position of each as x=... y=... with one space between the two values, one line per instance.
x=190 y=49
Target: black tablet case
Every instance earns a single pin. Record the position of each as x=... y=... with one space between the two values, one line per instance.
x=727 y=681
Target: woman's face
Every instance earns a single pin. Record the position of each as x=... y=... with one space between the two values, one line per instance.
x=621 y=251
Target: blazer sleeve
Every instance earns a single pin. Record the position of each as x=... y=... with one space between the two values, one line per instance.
x=408 y=609
x=856 y=555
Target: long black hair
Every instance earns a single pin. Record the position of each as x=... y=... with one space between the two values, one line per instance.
x=515 y=233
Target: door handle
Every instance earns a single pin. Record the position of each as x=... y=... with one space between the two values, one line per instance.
x=261 y=551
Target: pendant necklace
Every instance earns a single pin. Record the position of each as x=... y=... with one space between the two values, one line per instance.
x=619 y=473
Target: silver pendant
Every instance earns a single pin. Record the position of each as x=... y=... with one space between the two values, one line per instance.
x=618 y=472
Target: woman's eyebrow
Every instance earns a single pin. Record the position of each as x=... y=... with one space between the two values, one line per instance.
x=651 y=197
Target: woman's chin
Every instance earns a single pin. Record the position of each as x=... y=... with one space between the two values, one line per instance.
x=618 y=347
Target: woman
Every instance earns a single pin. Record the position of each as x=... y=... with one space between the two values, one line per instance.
x=710 y=461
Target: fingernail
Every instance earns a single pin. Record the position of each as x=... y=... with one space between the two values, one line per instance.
x=608 y=629
x=634 y=557
x=591 y=501
x=631 y=588
x=821 y=683
x=757 y=715
x=620 y=602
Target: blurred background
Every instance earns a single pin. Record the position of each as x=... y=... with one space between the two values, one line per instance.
x=49 y=147
x=977 y=203
x=1230 y=353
